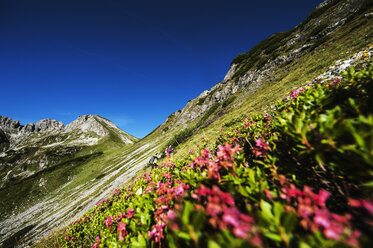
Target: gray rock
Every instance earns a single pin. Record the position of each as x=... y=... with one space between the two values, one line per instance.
x=86 y=123
x=48 y=124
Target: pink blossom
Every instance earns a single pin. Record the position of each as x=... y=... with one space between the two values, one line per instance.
x=179 y=190
x=171 y=215
x=331 y=234
x=231 y=216
x=337 y=80
x=116 y=192
x=121 y=216
x=130 y=213
x=361 y=203
x=247 y=124
x=240 y=232
x=322 y=218
x=152 y=233
x=268 y=194
x=109 y=221
x=121 y=229
x=97 y=243
x=296 y=92
x=321 y=197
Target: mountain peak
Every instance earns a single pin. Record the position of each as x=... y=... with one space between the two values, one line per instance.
x=84 y=124
x=87 y=123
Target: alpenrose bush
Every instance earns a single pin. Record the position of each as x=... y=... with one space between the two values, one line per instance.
x=300 y=177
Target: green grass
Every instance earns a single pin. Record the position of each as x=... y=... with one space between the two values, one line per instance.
x=342 y=44
x=356 y=35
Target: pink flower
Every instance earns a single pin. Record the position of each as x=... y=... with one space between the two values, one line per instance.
x=296 y=92
x=121 y=216
x=361 y=203
x=130 y=213
x=231 y=216
x=331 y=234
x=152 y=233
x=321 y=197
x=121 y=229
x=97 y=243
x=261 y=144
x=159 y=184
x=240 y=232
x=322 y=218
x=171 y=215
x=268 y=194
x=109 y=221
x=116 y=192
x=179 y=190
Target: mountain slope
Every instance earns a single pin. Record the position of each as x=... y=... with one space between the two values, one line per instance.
x=40 y=162
x=299 y=177
x=248 y=87
x=290 y=59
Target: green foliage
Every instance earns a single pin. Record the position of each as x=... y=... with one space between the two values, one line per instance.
x=234 y=120
x=319 y=42
x=184 y=134
x=318 y=12
x=298 y=178
x=228 y=101
x=201 y=100
x=261 y=53
x=321 y=27
x=180 y=137
x=208 y=113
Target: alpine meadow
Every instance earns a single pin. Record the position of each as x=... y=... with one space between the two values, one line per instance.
x=277 y=154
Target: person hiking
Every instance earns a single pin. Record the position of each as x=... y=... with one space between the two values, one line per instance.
x=153 y=161
x=169 y=151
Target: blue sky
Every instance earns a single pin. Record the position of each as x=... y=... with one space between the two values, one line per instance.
x=133 y=62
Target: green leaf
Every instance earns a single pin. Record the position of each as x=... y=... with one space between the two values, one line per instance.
x=273 y=236
x=266 y=211
x=303 y=245
x=212 y=244
x=278 y=210
x=289 y=221
x=187 y=210
x=184 y=235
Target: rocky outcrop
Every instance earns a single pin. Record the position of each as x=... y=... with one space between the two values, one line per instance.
x=86 y=123
x=8 y=124
x=15 y=134
x=47 y=124
x=4 y=142
x=249 y=75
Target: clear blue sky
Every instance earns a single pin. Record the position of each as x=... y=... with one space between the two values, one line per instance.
x=133 y=62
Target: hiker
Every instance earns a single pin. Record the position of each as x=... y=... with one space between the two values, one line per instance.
x=153 y=161
x=169 y=151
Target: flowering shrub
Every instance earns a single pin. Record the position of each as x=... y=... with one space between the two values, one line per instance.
x=300 y=177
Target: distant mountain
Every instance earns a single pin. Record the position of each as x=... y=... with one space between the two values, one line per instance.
x=33 y=148
x=85 y=124
x=36 y=160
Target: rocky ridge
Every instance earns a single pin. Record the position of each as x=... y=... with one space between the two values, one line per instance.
x=284 y=48
x=15 y=133
x=28 y=150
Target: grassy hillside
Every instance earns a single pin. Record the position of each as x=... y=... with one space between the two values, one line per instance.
x=299 y=176
x=120 y=165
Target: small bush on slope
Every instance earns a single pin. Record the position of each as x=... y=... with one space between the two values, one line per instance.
x=301 y=177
